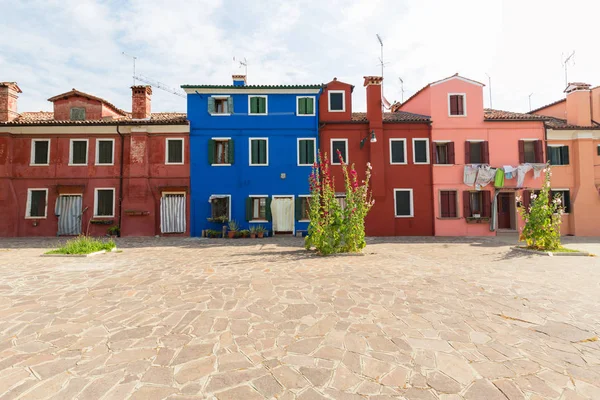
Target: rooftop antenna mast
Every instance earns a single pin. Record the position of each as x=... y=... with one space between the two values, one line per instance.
x=490 y=88
x=243 y=63
x=401 y=90
x=159 y=85
x=134 y=58
x=382 y=64
x=570 y=58
x=530 y=94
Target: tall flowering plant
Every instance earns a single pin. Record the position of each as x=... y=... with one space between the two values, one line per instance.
x=542 y=218
x=333 y=228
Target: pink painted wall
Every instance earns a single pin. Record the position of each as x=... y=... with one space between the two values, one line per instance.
x=557 y=110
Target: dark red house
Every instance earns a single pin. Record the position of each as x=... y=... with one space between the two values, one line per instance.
x=88 y=165
x=398 y=147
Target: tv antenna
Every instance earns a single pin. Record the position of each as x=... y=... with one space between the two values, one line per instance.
x=160 y=85
x=569 y=60
x=401 y=90
x=243 y=63
x=490 y=88
x=134 y=58
x=530 y=94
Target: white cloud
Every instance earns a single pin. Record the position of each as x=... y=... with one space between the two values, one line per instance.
x=49 y=47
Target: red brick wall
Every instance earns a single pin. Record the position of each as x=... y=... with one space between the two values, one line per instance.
x=62 y=108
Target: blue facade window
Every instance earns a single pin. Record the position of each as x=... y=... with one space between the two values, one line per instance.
x=307 y=150
x=259 y=151
x=258 y=105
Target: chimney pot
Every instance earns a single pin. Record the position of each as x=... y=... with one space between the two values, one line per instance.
x=579 y=104
x=9 y=93
x=141 y=102
x=239 y=80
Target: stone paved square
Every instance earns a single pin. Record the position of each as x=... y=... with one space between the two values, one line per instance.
x=420 y=318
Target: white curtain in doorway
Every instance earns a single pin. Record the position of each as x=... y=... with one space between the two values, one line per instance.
x=282 y=209
x=172 y=213
x=68 y=210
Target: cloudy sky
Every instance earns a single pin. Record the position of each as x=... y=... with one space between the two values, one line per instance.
x=51 y=46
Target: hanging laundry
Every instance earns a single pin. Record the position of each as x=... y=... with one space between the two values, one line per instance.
x=499 y=178
x=485 y=175
x=470 y=174
x=537 y=169
x=509 y=172
x=522 y=170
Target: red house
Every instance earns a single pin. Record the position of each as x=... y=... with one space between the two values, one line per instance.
x=88 y=166
x=398 y=147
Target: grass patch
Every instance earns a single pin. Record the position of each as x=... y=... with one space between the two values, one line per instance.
x=84 y=245
x=559 y=250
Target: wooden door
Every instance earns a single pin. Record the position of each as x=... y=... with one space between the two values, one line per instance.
x=504 y=211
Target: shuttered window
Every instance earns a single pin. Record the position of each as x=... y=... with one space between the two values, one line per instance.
x=220 y=152
x=105 y=202
x=256 y=208
x=448 y=204
x=77 y=114
x=219 y=206
x=302 y=208
x=398 y=151
x=403 y=199
x=259 y=151
x=104 y=152
x=220 y=105
x=40 y=151
x=444 y=153
x=531 y=151
x=565 y=198
x=477 y=204
x=174 y=151
x=258 y=104
x=477 y=152
x=78 y=152
x=558 y=155
x=341 y=146
x=457 y=104
x=306 y=106
x=36 y=203
x=306 y=151
x=421 y=151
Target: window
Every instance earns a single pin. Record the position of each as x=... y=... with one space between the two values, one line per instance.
x=558 y=155
x=220 y=151
x=444 y=153
x=259 y=151
x=337 y=101
x=104 y=202
x=40 y=151
x=104 y=151
x=258 y=209
x=306 y=151
x=476 y=152
x=403 y=200
x=77 y=114
x=340 y=145
x=397 y=151
x=530 y=151
x=257 y=105
x=220 y=206
x=565 y=198
x=421 y=151
x=477 y=204
x=174 y=151
x=456 y=105
x=598 y=150
x=341 y=199
x=220 y=105
x=37 y=201
x=78 y=153
x=302 y=208
x=448 y=204
x=305 y=106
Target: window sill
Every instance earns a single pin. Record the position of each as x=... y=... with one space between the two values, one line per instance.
x=104 y=165
x=103 y=216
x=220 y=114
x=258 y=165
x=337 y=110
x=174 y=163
x=220 y=165
x=398 y=163
x=480 y=220
x=405 y=216
x=559 y=165
x=305 y=115
x=258 y=221
x=44 y=217
x=39 y=165
x=449 y=218
x=444 y=165
x=77 y=165
x=304 y=220
x=259 y=114
x=305 y=165
x=457 y=116
x=421 y=163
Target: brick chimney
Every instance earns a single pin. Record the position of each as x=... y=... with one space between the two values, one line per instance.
x=579 y=104
x=8 y=101
x=375 y=134
x=239 y=80
x=374 y=107
x=141 y=101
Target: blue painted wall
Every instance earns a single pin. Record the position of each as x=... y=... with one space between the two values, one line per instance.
x=281 y=126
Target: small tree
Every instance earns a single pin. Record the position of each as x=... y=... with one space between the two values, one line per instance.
x=542 y=218
x=334 y=229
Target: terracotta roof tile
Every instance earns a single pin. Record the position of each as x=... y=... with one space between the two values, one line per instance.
x=557 y=123
x=500 y=115
x=75 y=92
x=398 y=116
x=47 y=118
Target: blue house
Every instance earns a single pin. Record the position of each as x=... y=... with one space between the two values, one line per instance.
x=252 y=148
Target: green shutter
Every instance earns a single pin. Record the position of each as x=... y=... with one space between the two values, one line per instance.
x=298 y=210
x=211 y=151
x=231 y=152
x=253 y=105
x=310 y=106
x=268 y=209
x=262 y=105
x=302 y=148
x=248 y=208
x=230 y=105
x=211 y=105
x=262 y=151
x=254 y=151
x=302 y=106
x=565 y=155
x=310 y=151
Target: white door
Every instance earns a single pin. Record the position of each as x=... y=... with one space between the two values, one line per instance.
x=282 y=210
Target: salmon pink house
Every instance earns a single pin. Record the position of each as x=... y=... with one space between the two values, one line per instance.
x=483 y=160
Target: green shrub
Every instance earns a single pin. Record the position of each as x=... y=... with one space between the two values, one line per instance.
x=84 y=245
x=211 y=233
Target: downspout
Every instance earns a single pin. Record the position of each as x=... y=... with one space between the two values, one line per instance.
x=432 y=183
x=121 y=178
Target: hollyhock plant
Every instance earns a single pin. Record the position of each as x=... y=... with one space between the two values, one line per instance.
x=333 y=228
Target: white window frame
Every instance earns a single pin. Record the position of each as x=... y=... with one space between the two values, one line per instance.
x=28 y=204
x=405 y=151
x=266 y=105
x=32 y=159
x=222 y=139
x=250 y=151
x=314 y=106
x=97 y=156
x=298 y=151
x=412 y=203
x=258 y=196
x=220 y=97
x=331 y=150
x=307 y=196
x=87 y=151
x=464 y=95
x=428 y=148
x=96 y=203
x=229 y=203
x=167 y=140
x=563 y=198
x=343 y=92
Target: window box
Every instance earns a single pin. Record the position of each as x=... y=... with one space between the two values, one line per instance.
x=480 y=220
x=101 y=221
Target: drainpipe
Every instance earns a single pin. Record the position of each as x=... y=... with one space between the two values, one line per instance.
x=121 y=178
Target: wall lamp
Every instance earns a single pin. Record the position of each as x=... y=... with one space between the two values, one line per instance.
x=364 y=140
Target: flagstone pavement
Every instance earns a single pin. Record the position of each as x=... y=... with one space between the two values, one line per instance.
x=251 y=319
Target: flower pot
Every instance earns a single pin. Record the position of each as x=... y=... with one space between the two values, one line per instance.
x=253 y=236
x=231 y=234
x=260 y=234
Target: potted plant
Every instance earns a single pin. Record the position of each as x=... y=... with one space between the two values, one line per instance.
x=244 y=233
x=233 y=228
x=253 y=232
x=260 y=231
x=113 y=231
